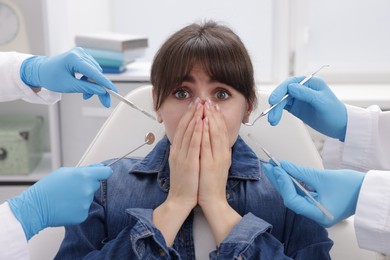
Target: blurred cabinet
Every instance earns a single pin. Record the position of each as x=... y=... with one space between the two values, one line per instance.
x=24 y=29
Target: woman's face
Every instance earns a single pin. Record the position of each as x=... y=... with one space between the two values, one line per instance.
x=198 y=84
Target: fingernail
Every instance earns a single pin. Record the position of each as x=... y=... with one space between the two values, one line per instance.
x=217 y=107
x=194 y=103
x=207 y=104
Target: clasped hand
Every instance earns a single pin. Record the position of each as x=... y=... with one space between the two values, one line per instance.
x=200 y=157
x=199 y=161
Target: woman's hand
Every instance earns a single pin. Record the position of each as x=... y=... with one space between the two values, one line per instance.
x=184 y=158
x=184 y=174
x=215 y=161
x=215 y=158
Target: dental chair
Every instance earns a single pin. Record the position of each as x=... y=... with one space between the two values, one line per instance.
x=126 y=128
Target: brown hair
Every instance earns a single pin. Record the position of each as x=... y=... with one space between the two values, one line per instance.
x=216 y=48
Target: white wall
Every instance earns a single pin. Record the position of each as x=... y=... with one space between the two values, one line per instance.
x=251 y=20
x=282 y=36
x=66 y=18
x=350 y=35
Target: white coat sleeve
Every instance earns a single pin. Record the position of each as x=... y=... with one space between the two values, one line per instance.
x=367 y=146
x=13 y=88
x=367 y=142
x=372 y=217
x=13 y=242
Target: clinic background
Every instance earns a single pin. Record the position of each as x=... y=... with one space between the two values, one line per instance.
x=283 y=37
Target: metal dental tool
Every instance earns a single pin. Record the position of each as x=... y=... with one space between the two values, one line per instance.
x=322 y=208
x=128 y=102
x=265 y=112
x=149 y=139
x=123 y=99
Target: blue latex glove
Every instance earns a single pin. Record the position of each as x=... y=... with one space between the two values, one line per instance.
x=337 y=190
x=57 y=74
x=315 y=104
x=61 y=198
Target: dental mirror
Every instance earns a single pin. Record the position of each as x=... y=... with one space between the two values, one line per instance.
x=149 y=139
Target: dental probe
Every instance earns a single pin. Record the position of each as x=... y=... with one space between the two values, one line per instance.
x=123 y=99
x=265 y=112
x=322 y=208
x=149 y=139
x=128 y=102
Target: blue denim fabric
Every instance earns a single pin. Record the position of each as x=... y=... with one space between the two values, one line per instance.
x=120 y=226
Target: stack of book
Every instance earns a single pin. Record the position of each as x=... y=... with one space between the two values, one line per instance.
x=113 y=51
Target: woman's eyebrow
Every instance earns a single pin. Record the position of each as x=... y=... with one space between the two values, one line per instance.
x=188 y=78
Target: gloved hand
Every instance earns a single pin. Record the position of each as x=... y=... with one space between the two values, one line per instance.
x=57 y=74
x=314 y=103
x=61 y=198
x=337 y=190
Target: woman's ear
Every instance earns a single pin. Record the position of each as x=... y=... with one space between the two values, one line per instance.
x=159 y=118
x=247 y=114
x=158 y=115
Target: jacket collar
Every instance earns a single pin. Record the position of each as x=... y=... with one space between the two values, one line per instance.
x=245 y=164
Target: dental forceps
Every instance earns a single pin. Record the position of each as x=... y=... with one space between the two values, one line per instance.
x=322 y=208
x=149 y=139
x=265 y=112
x=123 y=99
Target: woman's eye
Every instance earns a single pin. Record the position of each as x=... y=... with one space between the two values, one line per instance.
x=181 y=94
x=222 y=95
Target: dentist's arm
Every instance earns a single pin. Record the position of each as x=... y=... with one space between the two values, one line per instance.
x=314 y=103
x=57 y=73
x=61 y=198
x=336 y=190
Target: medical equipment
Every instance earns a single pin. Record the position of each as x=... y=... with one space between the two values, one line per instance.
x=124 y=100
x=149 y=139
x=121 y=98
x=21 y=148
x=265 y=112
x=322 y=208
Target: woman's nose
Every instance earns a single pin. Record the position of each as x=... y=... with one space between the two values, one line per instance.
x=204 y=99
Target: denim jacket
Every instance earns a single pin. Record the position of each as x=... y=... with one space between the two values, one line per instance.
x=120 y=225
